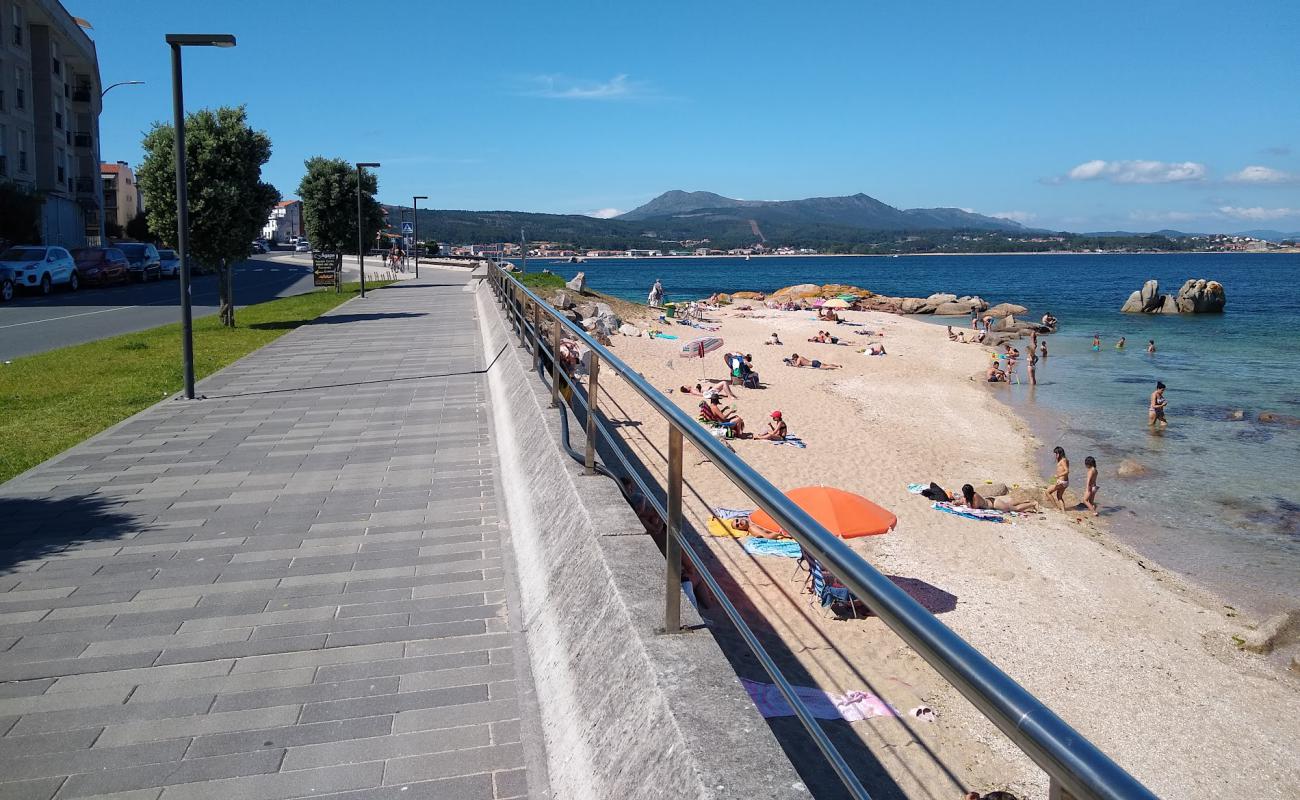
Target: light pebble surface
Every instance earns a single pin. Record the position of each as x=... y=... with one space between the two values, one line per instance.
x=1129 y=654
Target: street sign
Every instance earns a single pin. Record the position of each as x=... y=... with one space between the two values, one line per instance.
x=324 y=267
x=408 y=228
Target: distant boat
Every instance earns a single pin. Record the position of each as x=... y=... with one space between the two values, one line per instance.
x=746 y=258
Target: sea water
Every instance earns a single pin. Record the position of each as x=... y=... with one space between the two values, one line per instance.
x=1221 y=499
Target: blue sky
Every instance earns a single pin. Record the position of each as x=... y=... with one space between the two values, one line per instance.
x=1080 y=116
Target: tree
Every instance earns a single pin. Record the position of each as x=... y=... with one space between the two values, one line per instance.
x=20 y=214
x=229 y=203
x=329 y=205
x=137 y=228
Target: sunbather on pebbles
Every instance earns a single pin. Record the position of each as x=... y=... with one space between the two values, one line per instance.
x=796 y=360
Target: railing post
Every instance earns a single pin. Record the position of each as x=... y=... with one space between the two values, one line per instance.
x=593 y=388
x=556 y=369
x=672 y=546
x=537 y=337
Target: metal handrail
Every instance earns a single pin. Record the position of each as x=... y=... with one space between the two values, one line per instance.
x=1075 y=766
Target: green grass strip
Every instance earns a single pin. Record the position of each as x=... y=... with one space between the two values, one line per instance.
x=54 y=400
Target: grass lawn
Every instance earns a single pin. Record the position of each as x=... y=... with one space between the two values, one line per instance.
x=540 y=280
x=56 y=399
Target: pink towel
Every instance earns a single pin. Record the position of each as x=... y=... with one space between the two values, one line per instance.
x=852 y=707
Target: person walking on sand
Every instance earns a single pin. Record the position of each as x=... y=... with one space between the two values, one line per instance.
x=1156 y=408
x=1061 y=480
x=1090 y=485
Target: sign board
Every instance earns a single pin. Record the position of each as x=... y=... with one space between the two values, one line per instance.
x=324 y=269
x=407 y=228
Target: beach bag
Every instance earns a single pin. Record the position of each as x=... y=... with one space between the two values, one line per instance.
x=935 y=492
x=751 y=380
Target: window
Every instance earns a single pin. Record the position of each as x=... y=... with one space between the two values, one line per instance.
x=18 y=25
x=4 y=161
x=59 y=161
x=2 y=86
x=22 y=151
x=20 y=88
x=55 y=63
x=58 y=113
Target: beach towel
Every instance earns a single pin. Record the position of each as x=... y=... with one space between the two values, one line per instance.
x=782 y=548
x=915 y=488
x=852 y=707
x=725 y=528
x=732 y=513
x=793 y=441
x=982 y=514
x=664 y=336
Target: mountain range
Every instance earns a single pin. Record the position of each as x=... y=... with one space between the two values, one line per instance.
x=853 y=211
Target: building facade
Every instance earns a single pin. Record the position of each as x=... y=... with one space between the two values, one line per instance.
x=49 y=117
x=122 y=198
x=284 y=223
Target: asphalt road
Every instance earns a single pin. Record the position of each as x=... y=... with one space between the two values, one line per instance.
x=33 y=324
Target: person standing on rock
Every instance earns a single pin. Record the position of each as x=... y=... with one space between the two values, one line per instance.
x=1156 y=409
x=1061 y=480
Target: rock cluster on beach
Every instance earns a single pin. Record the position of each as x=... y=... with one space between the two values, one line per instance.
x=1197 y=296
x=594 y=317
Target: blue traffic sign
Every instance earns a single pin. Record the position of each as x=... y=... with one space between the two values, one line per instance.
x=408 y=228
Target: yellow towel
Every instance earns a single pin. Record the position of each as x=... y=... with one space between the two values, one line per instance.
x=720 y=527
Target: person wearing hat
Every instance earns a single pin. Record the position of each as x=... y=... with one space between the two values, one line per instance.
x=776 y=429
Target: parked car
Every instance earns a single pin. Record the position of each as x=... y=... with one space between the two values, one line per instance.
x=36 y=267
x=303 y=246
x=259 y=246
x=100 y=266
x=169 y=264
x=142 y=259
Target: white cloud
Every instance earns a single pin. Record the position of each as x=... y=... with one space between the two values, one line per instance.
x=1137 y=171
x=1015 y=216
x=604 y=213
x=559 y=87
x=1257 y=174
x=1258 y=214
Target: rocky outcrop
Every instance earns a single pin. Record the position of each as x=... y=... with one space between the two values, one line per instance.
x=561 y=300
x=1129 y=468
x=1005 y=310
x=747 y=296
x=629 y=330
x=1196 y=296
x=578 y=284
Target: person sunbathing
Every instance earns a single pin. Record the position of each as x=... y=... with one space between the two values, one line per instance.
x=796 y=360
x=953 y=336
x=720 y=388
x=776 y=429
x=825 y=338
x=973 y=499
x=874 y=349
x=722 y=416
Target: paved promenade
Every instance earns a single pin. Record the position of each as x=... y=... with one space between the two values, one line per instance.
x=295 y=587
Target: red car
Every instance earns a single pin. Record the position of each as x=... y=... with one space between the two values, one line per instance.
x=100 y=266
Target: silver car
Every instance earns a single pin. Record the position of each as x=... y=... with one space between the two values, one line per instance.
x=169 y=264
x=33 y=266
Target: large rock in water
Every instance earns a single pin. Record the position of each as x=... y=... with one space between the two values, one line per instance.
x=1006 y=309
x=1199 y=296
x=911 y=305
x=957 y=308
x=578 y=284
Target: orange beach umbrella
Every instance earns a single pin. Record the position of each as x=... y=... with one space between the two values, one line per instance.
x=844 y=514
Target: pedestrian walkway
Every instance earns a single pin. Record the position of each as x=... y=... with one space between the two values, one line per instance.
x=294 y=587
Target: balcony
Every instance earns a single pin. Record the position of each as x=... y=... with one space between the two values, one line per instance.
x=84 y=185
x=83 y=140
x=81 y=94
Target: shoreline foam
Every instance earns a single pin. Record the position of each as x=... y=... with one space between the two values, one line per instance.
x=1137 y=658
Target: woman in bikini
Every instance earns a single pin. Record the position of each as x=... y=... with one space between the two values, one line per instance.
x=1156 y=408
x=1061 y=480
x=973 y=499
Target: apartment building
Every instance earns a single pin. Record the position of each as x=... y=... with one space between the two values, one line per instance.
x=122 y=198
x=284 y=222
x=49 y=117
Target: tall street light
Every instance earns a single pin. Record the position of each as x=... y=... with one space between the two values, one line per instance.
x=415 y=215
x=99 y=160
x=361 y=245
x=177 y=41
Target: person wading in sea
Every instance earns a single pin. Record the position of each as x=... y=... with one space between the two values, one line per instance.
x=1156 y=409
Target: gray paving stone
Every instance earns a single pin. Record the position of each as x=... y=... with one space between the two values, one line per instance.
x=225 y=684
x=402 y=666
x=315 y=693
x=189 y=771
x=62 y=701
x=289 y=736
x=42 y=789
x=456 y=762
x=136 y=677
x=386 y=747
x=511 y=783
x=339 y=655
x=109 y=715
x=303 y=783
x=181 y=727
x=54 y=765
x=467 y=787
x=393 y=703
x=43 y=743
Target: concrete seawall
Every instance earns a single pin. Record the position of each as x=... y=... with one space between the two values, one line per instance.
x=627 y=712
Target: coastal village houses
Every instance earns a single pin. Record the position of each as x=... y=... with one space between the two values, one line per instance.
x=285 y=222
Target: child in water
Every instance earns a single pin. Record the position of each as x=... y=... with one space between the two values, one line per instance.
x=1120 y=344
x=1096 y=342
x=1090 y=485
x=1151 y=345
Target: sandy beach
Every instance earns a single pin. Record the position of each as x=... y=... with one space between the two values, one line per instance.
x=1132 y=656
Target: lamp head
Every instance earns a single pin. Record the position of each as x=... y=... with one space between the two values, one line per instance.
x=420 y=197
x=201 y=39
x=361 y=164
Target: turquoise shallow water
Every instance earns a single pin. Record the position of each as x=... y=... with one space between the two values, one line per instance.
x=1222 y=502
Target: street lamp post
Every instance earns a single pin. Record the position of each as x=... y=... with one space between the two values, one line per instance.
x=415 y=216
x=177 y=41
x=361 y=252
x=99 y=161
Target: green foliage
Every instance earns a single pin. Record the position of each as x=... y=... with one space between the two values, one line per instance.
x=541 y=280
x=329 y=205
x=228 y=201
x=61 y=397
x=137 y=228
x=20 y=214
